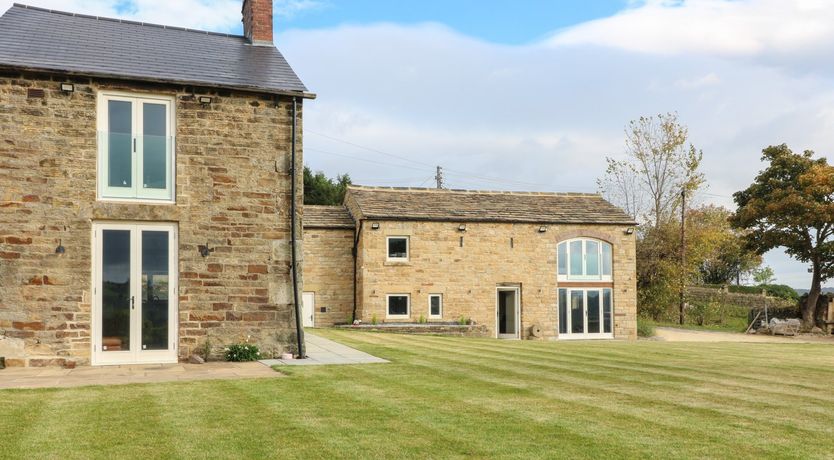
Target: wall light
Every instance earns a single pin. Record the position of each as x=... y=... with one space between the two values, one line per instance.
x=462 y=227
x=543 y=229
x=375 y=226
x=204 y=100
x=67 y=87
x=629 y=231
x=60 y=249
x=205 y=250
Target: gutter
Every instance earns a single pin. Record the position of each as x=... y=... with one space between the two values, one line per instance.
x=299 y=331
x=355 y=257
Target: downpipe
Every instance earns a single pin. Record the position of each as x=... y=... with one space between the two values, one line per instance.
x=299 y=330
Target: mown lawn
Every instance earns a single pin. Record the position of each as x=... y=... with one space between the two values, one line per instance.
x=451 y=397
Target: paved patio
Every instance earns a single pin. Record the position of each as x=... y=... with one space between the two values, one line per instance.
x=47 y=377
x=319 y=351
x=322 y=351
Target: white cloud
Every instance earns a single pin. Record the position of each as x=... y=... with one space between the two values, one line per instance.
x=213 y=15
x=539 y=117
x=698 y=82
x=714 y=27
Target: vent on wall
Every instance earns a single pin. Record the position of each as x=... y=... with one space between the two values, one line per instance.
x=34 y=93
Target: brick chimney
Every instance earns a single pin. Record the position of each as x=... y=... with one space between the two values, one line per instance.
x=257 y=22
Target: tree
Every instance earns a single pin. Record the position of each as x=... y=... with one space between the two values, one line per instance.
x=715 y=253
x=763 y=275
x=721 y=249
x=790 y=204
x=319 y=189
x=659 y=164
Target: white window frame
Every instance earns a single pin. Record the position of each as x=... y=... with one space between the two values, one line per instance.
x=136 y=193
x=388 y=314
x=584 y=276
x=440 y=315
x=568 y=335
x=388 y=250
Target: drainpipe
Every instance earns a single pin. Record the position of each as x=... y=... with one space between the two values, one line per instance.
x=299 y=331
x=355 y=256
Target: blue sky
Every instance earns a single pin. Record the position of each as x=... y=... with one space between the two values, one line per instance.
x=507 y=22
x=533 y=95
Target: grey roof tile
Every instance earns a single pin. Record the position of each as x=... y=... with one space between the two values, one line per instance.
x=316 y=216
x=483 y=206
x=40 y=39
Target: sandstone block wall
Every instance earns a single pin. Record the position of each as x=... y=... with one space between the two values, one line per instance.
x=328 y=273
x=468 y=272
x=232 y=192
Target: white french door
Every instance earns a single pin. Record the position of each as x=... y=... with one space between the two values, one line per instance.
x=134 y=293
x=586 y=313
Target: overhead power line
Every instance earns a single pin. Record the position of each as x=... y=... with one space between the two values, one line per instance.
x=428 y=167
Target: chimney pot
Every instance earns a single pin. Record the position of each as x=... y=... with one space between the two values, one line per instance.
x=257 y=21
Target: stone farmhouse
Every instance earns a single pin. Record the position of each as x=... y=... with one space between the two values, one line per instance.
x=522 y=265
x=147 y=189
x=151 y=207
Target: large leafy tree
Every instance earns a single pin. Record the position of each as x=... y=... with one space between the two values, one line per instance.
x=320 y=189
x=790 y=204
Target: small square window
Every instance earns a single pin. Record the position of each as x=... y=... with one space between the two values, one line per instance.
x=435 y=305
x=399 y=306
x=397 y=248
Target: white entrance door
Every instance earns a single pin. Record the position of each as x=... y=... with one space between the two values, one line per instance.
x=134 y=293
x=507 y=314
x=308 y=308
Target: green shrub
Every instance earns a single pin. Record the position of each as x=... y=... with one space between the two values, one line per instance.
x=781 y=291
x=462 y=320
x=645 y=327
x=373 y=319
x=422 y=319
x=242 y=352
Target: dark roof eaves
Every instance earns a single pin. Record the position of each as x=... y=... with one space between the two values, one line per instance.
x=248 y=88
x=497 y=220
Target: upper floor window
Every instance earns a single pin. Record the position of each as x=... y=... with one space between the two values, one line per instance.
x=584 y=259
x=397 y=248
x=135 y=147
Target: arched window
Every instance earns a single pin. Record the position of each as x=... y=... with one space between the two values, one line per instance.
x=584 y=259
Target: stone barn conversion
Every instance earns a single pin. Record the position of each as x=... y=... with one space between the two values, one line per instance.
x=522 y=265
x=146 y=189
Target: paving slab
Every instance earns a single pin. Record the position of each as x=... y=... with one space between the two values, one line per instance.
x=27 y=377
x=321 y=351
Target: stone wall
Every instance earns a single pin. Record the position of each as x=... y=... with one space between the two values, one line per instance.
x=232 y=192
x=466 y=267
x=328 y=273
x=704 y=294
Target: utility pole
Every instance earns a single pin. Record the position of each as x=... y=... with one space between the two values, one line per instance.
x=683 y=254
x=439 y=177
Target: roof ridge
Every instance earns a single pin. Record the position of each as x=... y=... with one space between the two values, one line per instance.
x=124 y=21
x=469 y=191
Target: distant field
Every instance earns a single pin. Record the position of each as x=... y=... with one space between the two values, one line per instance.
x=447 y=397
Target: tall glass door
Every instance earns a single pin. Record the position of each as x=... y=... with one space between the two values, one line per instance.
x=585 y=313
x=134 y=293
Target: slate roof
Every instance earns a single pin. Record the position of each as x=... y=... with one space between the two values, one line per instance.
x=327 y=217
x=392 y=203
x=40 y=39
